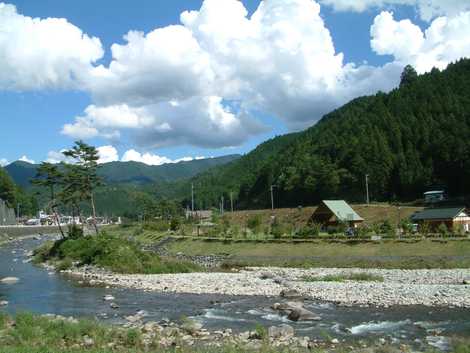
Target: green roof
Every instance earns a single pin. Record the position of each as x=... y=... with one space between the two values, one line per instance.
x=437 y=213
x=342 y=210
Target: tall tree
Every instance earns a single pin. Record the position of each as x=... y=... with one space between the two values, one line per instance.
x=408 y=76
x=84 y=173
x=49 y=176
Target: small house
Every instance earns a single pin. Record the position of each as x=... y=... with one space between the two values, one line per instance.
x=451 y=217
x=331 y=213
x=434 y=196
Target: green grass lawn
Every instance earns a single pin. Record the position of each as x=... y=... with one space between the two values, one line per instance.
x=384 y=254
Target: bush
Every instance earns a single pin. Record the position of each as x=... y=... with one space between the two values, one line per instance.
x=175 y=224
x=276 y=229
x=311 y=230
x=443 y=230
x=156 y=226
x=64 y=265
x=254 y=222
x=74 y=231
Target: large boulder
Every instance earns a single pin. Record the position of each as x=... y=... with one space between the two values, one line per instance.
x=295 y=311
x=9 y=280
x=282 y=331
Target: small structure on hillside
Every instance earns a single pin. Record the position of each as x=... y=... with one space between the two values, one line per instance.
x=434 y=196
x=451 y=217
x=201 y=215
x=331 y=213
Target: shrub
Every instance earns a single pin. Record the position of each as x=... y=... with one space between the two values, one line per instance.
x=276 y=228
x=156 y=226
x=175 y=224
x=74 y=231
x=65 y=264
x=386 y=228
x=254 y=222
x=443 y=230
x=311 y=230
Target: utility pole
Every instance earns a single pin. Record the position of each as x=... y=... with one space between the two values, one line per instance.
x=272 y=196
x=231 y=201
x=367 y=189
x=192 y=198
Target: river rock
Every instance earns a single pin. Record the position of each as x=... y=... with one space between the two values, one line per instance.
x=290 y=294
x=282 y=331
x=9 y=280
x=466 y=280
x=295 y=311
x=191 y=326
x=88 y=341
x=3 y=303
x=108 y=297
x=114 y=306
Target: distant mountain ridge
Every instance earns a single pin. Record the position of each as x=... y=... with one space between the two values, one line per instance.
x=135 y=173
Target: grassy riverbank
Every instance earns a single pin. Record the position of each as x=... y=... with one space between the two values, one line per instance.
x=28 y=333
x=417 y=254
x=107 y=251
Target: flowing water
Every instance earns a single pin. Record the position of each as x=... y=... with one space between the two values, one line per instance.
x=40 y=291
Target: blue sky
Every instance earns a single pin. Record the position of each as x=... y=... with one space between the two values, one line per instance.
x=34 y=114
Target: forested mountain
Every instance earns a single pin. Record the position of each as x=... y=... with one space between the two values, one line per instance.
x=128 y=185
x=14 y=195
x=134 y=173
x=407 y=141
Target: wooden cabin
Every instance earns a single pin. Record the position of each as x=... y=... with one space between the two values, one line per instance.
x=331 y=213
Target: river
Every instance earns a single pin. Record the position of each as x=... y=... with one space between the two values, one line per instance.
x=41 y=291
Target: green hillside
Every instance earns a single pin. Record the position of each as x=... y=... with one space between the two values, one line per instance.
x=130 y=172
x=409 y=140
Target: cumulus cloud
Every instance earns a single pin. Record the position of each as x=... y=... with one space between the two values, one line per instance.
x=153 y=159
x=444 y=41
x=3 y=162
x=427 y=9
x=43 y=53
x=107 y=154
x=198 y=82
x=201 y=121
x=27 y=160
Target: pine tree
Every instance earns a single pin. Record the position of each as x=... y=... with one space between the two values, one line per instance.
x=49 y=176
x=84 y=174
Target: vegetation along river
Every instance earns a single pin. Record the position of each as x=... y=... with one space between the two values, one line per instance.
x=41 y=291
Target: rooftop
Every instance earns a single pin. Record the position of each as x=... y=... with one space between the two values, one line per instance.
x=438 y=213
x=342 y=210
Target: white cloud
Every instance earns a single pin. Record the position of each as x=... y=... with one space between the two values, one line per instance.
x=172 y=86
x=43 y=53
x=427 y=9
x=202 y=121
x=3 y=162
x=153 y=159
x=107 y=154
x=199 y=82
x=27 y=160
x=55 y=157
x=444 y=41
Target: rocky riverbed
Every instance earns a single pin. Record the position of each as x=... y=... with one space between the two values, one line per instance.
x=433 y=288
